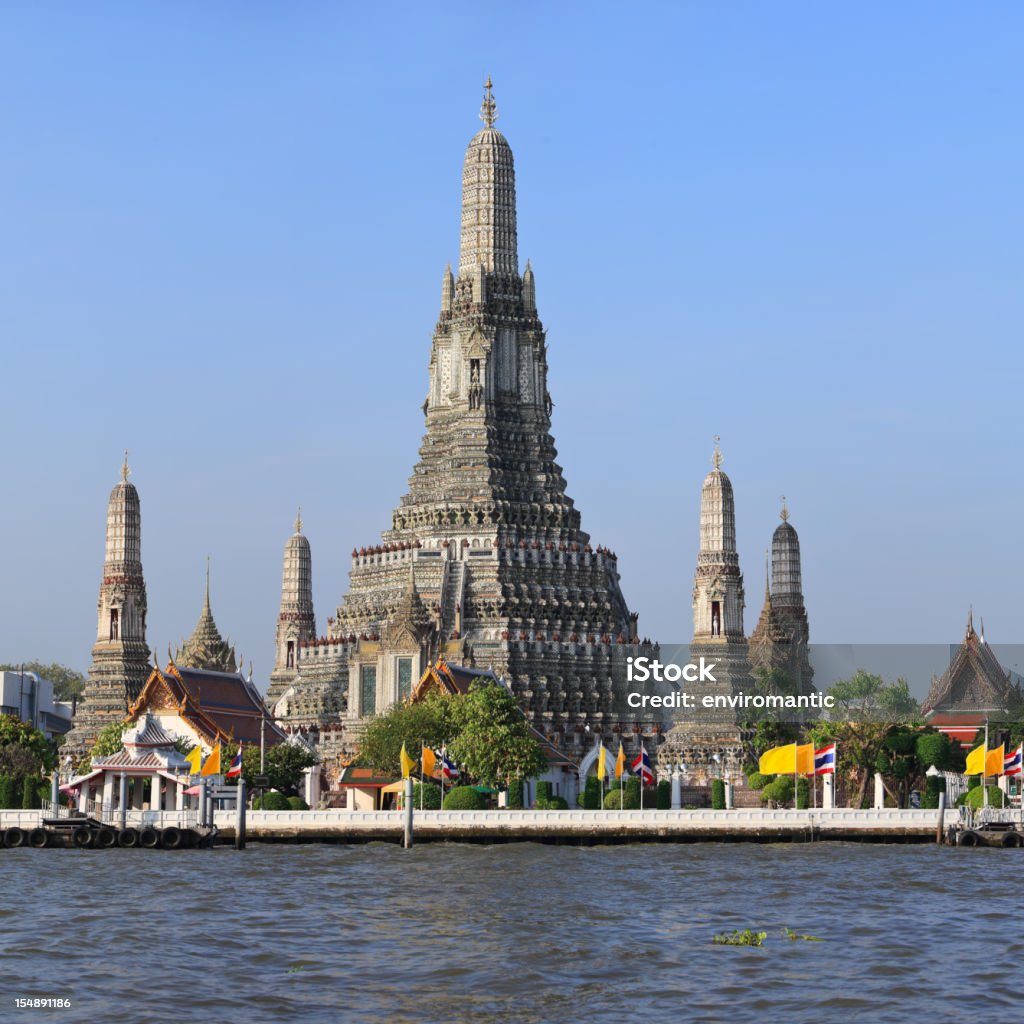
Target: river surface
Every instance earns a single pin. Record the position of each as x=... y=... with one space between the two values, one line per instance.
x=513 y=933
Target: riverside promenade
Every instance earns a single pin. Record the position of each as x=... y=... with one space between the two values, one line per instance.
x=588 y=827
x=888 y=825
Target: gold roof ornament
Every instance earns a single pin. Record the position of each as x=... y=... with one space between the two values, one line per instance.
x=784 y=514
x=125 y=471
x=298 y=520
x=716 y=457
x=488 y=109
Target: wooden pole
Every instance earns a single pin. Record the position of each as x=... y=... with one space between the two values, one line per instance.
x=123 y=794
x=938 y=824
x=407 y=837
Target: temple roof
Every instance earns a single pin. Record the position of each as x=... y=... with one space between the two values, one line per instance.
x=974 y=683
x=220 y=706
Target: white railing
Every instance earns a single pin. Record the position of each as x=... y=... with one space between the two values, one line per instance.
x=587 y=821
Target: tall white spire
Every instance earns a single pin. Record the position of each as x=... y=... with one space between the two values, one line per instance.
x=488 y=200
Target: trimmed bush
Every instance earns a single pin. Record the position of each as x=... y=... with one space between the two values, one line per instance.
x=543 y=793
x=663 y=801
x=633 y=790
x=755 y=780
x=30 y=794
x=8 y=789
x=625 y=798
x=429 y=794
x=975 y=797
x=464 y=798
x=717 y=795
x=933 y=786
x=272 y=801
x=781 y=792
x=296 y=803
x=591 y=796
x=515 y=795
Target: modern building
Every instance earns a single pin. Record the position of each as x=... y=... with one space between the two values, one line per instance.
x=30 y=698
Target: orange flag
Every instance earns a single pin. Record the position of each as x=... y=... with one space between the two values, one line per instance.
x=212 y=766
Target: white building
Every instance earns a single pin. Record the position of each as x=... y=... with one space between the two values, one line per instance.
x=30 y=698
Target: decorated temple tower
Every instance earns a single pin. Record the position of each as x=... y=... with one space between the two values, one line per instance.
x=485 y=562
x=296 y=624
x=120 y=657
x=711 y=738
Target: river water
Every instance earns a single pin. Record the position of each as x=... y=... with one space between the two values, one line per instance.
x=521 y=933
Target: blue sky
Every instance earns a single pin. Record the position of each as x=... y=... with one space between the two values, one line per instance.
x=792 y=225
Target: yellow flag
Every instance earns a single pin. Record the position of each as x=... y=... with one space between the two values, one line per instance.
x=429 y=759
x=805 y=759
x=975 y=761
x=780 y=760
x=601 y=755
x=994 y=761
x=195 y=760
x=620 y=763
x=407 y=763
x=212 y=766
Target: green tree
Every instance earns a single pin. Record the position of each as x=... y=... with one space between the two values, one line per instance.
x=283 y=765
x=491 y=736
x=19 y=740
x=68 y=684
x=865 y=709
x=426 y=722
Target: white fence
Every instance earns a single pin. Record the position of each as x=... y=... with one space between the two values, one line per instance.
x=753 y=820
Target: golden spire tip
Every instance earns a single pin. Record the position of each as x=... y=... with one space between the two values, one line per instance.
x=784 y=514
x=124 y=467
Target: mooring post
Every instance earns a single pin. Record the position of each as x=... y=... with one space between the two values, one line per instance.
x=407 y=838
x=938 y=824
x=240 y=817
x=122 y=795
x=202 y=803
x=55 y=790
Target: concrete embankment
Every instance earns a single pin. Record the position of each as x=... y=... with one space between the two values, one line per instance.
x=588 y=827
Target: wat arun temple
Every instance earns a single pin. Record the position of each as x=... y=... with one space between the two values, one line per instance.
x=485 y=563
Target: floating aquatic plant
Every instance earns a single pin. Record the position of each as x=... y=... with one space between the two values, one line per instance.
x=794 y=937
x=740 y=938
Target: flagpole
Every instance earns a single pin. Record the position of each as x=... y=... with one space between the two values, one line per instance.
x=643 y=774
x=422 y=775
x=984 y=769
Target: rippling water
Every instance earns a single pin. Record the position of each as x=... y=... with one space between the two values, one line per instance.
x=523 y=933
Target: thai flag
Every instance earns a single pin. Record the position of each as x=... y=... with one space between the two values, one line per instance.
x=448 y=769
x=825 y=760
x=236 y=764
x=642 y=766
x=1012 y=762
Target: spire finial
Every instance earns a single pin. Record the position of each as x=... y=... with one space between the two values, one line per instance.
x=298 y=520
x=784 y=514
x=124 y=467
x=970 y=619
x=488 y=109
x=206 y=599
x=767 y=579
x=716 y=457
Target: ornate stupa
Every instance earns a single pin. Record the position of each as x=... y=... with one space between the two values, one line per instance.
x=711 y=740
x=120 y=657
x=485 y=562
x=296 y=624
x=206 y=648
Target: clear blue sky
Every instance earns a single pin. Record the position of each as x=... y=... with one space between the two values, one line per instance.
x=795 y=225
